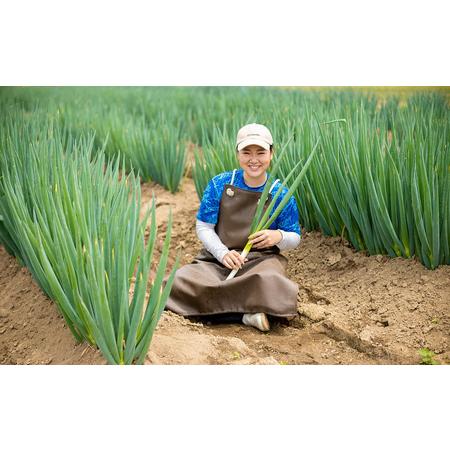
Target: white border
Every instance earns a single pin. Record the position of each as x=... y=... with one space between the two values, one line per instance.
x=221 y=407
x=228 y=43
x=232 y=43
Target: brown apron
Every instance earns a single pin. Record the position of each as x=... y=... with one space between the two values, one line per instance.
x=200 y=288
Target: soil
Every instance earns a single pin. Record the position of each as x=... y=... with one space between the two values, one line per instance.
x=352 y=309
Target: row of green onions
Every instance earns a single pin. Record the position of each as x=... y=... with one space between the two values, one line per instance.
x=72 y=218
x=381 y=182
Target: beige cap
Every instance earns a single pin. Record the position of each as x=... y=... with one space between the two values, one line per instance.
x=254 y=134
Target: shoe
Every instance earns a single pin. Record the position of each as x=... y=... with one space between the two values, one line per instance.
x=257 y=320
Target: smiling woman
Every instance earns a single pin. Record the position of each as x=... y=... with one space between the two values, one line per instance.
x=224 y=221
x=256 y=160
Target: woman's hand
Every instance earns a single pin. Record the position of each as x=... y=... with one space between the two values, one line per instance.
x=265 y=238
x=233 y=260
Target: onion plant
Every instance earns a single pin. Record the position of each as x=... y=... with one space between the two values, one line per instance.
x=158 y=152
x=73 y=219
x=154 y=149
x=385 y=192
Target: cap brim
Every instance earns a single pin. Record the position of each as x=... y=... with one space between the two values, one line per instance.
x=253 y=141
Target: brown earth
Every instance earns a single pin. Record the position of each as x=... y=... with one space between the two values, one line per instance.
x=353 y=309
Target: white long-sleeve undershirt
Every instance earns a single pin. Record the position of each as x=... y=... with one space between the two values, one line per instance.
x=212 y=242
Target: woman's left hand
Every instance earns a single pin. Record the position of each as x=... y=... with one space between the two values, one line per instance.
x=265 y=238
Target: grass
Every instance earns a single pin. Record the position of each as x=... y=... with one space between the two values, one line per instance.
x=427 y=357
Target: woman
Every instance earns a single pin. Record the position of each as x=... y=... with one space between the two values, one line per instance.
x=260 y=287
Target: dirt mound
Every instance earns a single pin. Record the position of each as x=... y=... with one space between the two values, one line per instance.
x=390 y=307
x=353 y=309
x=32 y=330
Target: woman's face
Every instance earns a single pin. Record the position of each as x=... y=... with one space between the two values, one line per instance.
x=255 y=160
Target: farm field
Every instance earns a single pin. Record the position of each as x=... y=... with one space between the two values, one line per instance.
x=372 y=267
x=354 y=309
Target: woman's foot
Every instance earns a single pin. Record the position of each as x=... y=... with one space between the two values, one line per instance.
x=257 y=320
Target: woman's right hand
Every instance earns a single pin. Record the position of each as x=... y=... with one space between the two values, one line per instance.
x=233 y=260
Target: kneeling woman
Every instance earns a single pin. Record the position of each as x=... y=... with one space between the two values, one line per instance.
x=260 y=287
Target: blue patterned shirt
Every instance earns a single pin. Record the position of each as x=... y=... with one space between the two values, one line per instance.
x=288 y=220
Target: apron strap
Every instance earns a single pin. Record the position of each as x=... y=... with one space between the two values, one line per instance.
x=273 y=185
x=232 y=178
